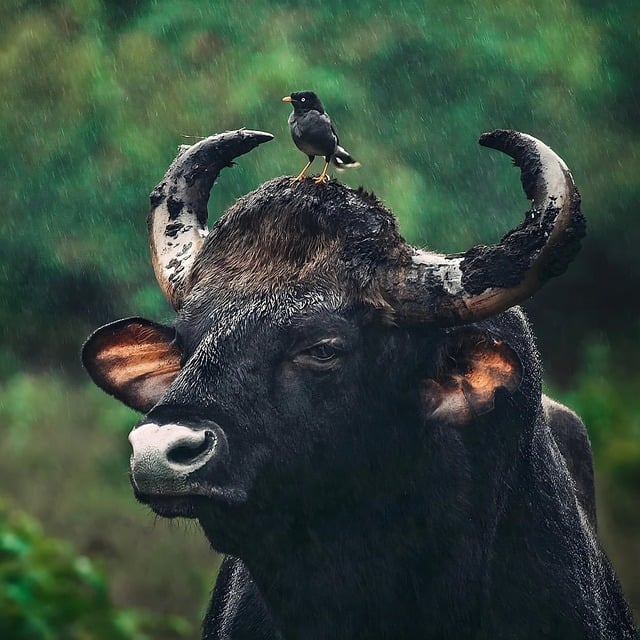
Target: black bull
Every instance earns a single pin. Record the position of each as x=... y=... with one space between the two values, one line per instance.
x=359 y=424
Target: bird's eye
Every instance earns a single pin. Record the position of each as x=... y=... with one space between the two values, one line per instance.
x=302 y=99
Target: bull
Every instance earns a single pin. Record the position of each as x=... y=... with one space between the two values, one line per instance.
x=358 y=424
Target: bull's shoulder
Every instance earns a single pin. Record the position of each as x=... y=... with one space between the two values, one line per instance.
x=573 y=442
x=237 y=610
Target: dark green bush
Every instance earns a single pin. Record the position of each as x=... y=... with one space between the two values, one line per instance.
x=47 y=592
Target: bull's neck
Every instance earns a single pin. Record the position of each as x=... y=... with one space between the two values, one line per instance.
x=372 y=571
x=405 y=556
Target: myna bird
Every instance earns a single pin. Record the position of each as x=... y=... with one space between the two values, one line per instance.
x=313 y=134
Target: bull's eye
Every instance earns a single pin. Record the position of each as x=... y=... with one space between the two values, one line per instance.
x=322 y=352
x=322 y=355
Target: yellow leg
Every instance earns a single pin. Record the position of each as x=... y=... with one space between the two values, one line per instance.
x=323 y=177
x=300 y=176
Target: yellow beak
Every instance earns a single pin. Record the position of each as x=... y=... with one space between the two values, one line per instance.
x=287 y=99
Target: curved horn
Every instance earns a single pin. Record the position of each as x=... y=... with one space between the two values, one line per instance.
x=462 y=288
x=177 y=220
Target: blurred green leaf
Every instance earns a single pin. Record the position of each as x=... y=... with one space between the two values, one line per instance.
x=47 y=592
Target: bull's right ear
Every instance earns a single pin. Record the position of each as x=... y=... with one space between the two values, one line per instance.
x=134 y=360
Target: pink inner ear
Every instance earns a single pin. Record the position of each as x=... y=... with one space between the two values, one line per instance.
x=473 y=369
x=134 y=360
x=447 y=404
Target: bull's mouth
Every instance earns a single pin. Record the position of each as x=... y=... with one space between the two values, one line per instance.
x=190 y=505
x=178 y=506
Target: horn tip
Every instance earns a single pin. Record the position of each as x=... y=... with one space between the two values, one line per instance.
x=260 y=136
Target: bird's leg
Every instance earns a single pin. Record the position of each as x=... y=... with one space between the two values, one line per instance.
x=323 y=177
x=300 y=176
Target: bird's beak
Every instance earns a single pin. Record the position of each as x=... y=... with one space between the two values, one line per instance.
x=287 y=99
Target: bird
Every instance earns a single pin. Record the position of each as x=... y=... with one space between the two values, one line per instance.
x=314 y=134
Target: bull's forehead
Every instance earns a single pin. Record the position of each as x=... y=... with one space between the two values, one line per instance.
x=283 y=251
x=225 y=313
x=220 y=330
x=285 y=234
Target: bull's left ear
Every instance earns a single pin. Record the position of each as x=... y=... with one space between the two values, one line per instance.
x=134 y=360
x=471 y=366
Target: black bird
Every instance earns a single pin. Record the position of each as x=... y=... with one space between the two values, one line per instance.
x=313 y=133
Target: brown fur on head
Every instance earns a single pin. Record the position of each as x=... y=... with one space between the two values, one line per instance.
x=285 y=235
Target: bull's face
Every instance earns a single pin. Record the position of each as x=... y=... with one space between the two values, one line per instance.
x=294 y=412
x=307 y=338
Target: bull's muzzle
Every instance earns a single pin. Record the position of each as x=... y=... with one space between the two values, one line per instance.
x=166 y=458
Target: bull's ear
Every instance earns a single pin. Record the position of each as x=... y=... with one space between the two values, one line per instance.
x=471 y=366
x=134 y=360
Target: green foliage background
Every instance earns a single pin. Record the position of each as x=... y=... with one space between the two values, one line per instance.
x=96 y=96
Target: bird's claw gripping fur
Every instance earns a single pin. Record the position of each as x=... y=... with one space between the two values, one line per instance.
x=323 y=178
x=300 y=177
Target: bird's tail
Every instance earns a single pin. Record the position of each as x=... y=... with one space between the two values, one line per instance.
x=342 y=159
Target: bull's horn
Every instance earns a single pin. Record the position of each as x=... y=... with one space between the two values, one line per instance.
x=177 y=220
x=457 y=289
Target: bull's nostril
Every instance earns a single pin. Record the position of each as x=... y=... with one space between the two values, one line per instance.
x=188 y=452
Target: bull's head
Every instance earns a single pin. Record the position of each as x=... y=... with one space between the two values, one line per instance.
x=313 y=347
